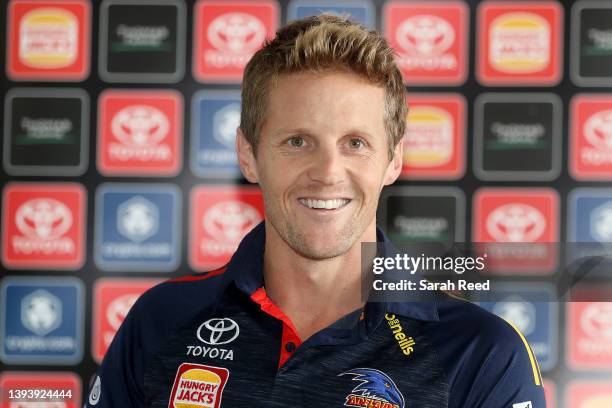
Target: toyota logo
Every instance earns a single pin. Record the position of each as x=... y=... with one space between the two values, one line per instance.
x=218 y=331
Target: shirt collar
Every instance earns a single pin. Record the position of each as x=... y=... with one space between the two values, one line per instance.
x=245 y=269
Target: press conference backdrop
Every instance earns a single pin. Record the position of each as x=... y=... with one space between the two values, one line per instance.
x=119 y=168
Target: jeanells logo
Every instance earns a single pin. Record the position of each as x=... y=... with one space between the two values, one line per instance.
x=218 y=331
x=598 y=130
x=596 y=321
x=236 y=33
x=425 y=35
x=41 y=312
x=43 y=219
x=516 y=222
x=230 y=220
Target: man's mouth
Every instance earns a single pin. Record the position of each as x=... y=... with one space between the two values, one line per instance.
x=319 y=204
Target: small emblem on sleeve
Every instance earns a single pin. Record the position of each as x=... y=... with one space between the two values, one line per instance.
x=527 y=404
x=94 y=395
x=376 y=389
x=197 y=385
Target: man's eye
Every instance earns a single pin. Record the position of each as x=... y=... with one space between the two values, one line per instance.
x=355 y=143
x=296 y=141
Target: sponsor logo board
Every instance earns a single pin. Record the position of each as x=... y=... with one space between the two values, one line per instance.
x=521 y=43
x=142 y=41
x=591 y=43
x=589 y=227
x=46 y=132
x=431 y=40
x=434 y=143
x=140 y=133
x=41 y=320
x=591 y=137
x=215 y=116
x=518 y=227
x=589 y=333
x=532 y=309
x=43 y=226
x=48 y=40
x=526 y=125
x=589 y=394
x=226 y=35
x=113 y=299
x=137 y=227
x=220 y=218
x=423 y=214
x=550 y=393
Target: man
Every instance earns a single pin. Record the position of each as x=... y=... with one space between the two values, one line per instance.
x=284 y=323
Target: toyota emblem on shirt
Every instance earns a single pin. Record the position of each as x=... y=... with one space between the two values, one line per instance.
x=218 y=331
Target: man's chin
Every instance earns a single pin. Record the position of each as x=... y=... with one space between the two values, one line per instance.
x=319 y=248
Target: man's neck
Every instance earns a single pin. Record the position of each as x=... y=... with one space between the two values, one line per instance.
x=313 y=293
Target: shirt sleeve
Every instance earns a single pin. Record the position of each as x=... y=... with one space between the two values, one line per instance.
x=120 y=379
x=510 y=376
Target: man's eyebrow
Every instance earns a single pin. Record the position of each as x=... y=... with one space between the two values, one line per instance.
x=304 y=131
x=292 y=131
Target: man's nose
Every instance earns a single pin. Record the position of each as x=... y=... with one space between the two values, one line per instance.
x=327 y=166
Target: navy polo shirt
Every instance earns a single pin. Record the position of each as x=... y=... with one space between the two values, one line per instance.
x=216 y=340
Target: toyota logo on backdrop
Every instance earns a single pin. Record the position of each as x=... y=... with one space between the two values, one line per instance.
x=218 y=331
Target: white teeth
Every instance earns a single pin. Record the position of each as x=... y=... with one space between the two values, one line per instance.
x=326 y=204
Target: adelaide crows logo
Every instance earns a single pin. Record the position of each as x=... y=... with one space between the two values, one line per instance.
x=375 y=390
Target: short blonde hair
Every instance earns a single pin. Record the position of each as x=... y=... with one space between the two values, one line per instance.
x=316 y=44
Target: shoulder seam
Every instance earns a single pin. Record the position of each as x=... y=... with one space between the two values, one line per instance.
x=537 y=376
x=198 y=277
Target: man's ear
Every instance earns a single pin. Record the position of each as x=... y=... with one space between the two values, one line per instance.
x=246 y=157
x=395 y=165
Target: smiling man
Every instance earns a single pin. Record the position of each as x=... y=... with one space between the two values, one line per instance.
x=284 y=323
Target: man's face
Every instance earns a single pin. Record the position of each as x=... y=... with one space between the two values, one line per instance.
x=322 y=161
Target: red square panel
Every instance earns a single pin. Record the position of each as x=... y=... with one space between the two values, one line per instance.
x=519 y=43
x=589 y=394
x=591 y=137
x=43 y=225
x=550 y=392
x=48 y=40
x=140 y=133
x=430 y=39
x=220 y=218
x=520 y=227
x=113 y=299
x=589 y=332
x=227 y=34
